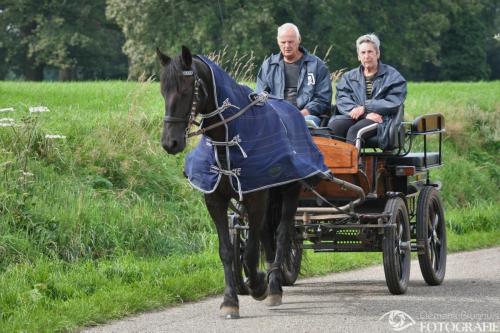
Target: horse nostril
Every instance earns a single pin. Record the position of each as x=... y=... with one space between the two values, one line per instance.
x=174 y=144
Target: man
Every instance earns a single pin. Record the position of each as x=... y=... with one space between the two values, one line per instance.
x=367 y=95
x=296 y=76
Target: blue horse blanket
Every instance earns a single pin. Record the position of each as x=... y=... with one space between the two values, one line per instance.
x=268 y=145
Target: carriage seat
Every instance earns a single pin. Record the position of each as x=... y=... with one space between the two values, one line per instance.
x=423 y=126
x=396 y=133
x=418 y=160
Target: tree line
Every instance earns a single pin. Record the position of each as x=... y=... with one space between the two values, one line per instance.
x=116 y=39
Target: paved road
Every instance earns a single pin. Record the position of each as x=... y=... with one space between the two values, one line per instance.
x=355 y=301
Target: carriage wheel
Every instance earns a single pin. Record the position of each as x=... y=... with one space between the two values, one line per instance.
x=396 y=247
x=293 y=260
x=431 y=235
x=238 y=237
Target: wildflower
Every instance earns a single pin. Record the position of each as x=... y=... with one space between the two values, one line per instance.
x=37 y=109
x=54 y=136
x=6 y=110
x=6 y=122
x=26 y=174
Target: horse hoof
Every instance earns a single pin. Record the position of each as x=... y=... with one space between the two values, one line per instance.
x=274 y=300
x=261 y=297
x=230 y=312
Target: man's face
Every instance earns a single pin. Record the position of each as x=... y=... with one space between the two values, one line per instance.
x=368 y=55
x=289 y=44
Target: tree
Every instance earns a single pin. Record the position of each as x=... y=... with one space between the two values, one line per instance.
x=202 y=26
x=17 y=23
x=72 y=36
x=464 y=44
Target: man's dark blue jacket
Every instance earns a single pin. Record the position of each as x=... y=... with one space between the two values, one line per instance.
x=314 y=89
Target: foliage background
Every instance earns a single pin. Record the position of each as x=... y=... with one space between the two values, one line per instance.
x=103 y=39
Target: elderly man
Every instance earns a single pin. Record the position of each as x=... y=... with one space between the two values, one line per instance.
x=367 y=95
x=296 y=76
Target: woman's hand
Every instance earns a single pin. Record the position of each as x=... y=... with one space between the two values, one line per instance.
x=357 y=112
x=374 y=117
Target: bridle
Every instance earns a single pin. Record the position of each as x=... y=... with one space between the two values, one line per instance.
x=194 y=104
x=198 y=82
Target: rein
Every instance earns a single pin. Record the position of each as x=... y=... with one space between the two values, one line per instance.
x=257 y=100
x=191 y=120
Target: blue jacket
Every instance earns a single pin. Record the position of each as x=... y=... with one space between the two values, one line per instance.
x=388 y=93
x=314 y=89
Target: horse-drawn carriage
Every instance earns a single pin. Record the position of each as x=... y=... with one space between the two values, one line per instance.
x=255 y=151
x=376 y=201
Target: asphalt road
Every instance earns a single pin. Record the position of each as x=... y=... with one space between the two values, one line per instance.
x=354 y=301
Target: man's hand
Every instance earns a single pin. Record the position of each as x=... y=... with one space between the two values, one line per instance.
x=305 y=112
x=357 y=112
x=374 y=117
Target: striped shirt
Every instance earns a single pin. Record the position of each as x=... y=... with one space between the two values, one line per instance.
x=369 y=86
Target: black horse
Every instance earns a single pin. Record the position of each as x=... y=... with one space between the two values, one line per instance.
x=188 y=90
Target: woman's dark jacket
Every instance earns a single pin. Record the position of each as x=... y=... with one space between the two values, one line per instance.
x=388 y=94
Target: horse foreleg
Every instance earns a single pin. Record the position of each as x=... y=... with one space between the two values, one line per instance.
x=290 y=195
x=268 y=230
x=217 y=207
x=256 y=204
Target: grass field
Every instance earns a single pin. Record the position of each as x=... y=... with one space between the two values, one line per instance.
x=101 y=223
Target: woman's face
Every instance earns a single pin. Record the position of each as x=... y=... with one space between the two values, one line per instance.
x=368 y=55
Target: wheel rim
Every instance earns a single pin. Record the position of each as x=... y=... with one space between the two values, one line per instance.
x=434 y=236
x=401 y=246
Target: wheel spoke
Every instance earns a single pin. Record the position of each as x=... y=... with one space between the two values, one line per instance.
x=435 y=263
x=429 y=221
x=435 y=222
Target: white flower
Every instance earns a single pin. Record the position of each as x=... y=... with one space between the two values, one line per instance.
x=36 y=109
x=7 y=110
x=7 y=122
x=54 y=136
x=26 y=174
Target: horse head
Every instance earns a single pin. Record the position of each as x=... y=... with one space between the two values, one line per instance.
x=185 y=94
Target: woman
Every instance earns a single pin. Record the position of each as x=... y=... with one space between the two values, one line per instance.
x=367 y=95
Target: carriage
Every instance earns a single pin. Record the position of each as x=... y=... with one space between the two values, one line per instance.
x=254 y=150
x=376 y=201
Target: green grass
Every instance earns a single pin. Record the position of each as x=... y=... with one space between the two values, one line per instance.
x=102 y=224
x=52 y=295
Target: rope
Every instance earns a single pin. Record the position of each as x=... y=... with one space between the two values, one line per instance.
x=231 y=173
x=225 y=105
x=234 y=142
x=259 y=99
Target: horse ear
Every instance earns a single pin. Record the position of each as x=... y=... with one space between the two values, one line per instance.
x=187 y=58
x=163 y=58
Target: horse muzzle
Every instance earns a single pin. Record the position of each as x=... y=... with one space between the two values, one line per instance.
x=173 y=146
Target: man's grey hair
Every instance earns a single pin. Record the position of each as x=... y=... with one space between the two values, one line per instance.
x=287 y=26
x=369 y=38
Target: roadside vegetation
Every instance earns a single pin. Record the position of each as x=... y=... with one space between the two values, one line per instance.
x=97 y=222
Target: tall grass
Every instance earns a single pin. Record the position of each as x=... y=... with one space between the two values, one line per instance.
x=104 y=190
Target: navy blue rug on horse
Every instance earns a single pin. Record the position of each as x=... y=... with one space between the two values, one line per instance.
x=268 y=145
